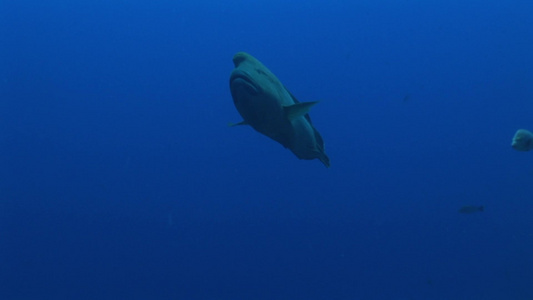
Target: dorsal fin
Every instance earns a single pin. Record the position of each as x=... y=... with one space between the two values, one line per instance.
x=307 y=117
x=298 y=110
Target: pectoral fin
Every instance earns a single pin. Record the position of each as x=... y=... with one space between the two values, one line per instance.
x=298 y=110
x=231 y=124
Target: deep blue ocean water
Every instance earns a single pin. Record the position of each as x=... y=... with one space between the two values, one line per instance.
x=120 y=179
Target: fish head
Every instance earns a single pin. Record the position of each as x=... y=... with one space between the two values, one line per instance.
x=255 y=90
x=251 y=79
x=243 y=85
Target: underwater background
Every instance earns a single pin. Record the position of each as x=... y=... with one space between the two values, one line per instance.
x=120 y=178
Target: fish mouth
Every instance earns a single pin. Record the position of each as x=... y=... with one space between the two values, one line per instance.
x=241 y=80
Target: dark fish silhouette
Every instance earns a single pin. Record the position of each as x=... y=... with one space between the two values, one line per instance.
x=266 y=105
x=470 y=209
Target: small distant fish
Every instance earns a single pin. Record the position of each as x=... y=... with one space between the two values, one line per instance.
x=522 y=140
x=470 y=209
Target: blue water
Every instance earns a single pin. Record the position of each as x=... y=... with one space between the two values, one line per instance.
x=120 y=179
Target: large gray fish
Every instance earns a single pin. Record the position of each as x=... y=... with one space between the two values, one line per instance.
x=266 y=105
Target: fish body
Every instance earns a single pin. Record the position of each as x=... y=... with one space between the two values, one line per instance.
x=522 y=140
x=268 y=107
x=470 y=209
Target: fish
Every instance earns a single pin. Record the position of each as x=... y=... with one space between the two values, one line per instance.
x=266 y=105
x=522 y=140
x=470 y=209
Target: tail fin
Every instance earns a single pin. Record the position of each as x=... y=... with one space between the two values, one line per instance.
x=324 y=159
